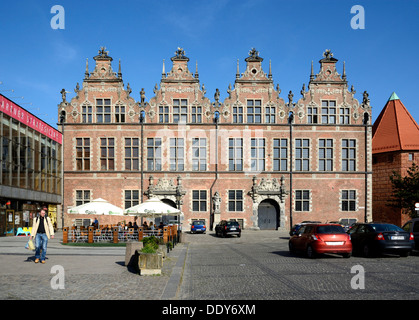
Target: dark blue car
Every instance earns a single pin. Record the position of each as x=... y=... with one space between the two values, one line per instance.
x=198 y=226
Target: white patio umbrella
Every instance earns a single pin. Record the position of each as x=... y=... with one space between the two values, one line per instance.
x=151 y=208
x=97 y=206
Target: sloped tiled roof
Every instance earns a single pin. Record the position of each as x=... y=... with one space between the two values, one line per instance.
x=395 y=129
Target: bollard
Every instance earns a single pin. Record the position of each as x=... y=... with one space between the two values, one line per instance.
x=65 y=235
x=90 y=235
x=176 y=240
x=165 y=234
x=140 y=233
x=115 y=234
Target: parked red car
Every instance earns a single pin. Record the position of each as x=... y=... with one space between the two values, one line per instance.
x=314 y=239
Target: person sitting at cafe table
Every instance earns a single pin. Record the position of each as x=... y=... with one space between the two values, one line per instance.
x=145 y=225
x=96 y=223
x=161 y=225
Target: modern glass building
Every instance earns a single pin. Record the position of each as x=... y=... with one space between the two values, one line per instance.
x=30 y=170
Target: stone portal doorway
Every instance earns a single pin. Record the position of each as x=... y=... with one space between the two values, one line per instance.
x=268 y=215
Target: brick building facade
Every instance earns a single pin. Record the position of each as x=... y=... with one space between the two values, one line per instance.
x=254 y=157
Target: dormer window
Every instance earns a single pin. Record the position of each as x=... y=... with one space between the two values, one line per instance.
x=196 y=114
x=103 y=110
x=254 y=111
x=119 y=114
x=180 y=110
x=328 y=112
x=163 y=114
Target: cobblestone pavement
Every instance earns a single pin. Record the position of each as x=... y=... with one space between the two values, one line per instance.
x=90 y=273
x=258 y=266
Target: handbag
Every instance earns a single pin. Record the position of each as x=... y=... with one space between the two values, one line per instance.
x=30 y=245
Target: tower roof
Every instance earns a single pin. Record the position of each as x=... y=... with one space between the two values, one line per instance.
x=395 y=129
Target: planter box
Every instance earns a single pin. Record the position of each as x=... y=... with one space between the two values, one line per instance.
x=149 y=263
x=163 y=250
x=130 y=250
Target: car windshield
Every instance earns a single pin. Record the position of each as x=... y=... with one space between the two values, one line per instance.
x=198 y=223
x=232 y=223
x=330 y=229
x=385 y=227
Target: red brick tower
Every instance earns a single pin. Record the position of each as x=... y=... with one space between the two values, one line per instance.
x=395 y=146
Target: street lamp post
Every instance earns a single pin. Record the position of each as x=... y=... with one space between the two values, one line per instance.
x=62 y=121
x=142 y=118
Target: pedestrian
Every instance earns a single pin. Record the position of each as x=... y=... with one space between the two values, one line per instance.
x=42 y=230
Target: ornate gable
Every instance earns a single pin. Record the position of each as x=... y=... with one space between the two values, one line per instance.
x=253 y=84
x=102 y=96
x=328 y=100
x=179 y=89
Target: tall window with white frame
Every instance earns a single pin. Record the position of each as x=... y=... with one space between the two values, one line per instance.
x=83 y=154
x=257 y=154
x=348 y=200
x=302 y=154
x=132 y=198
x=235 y=154
x=325 y=154
x=107 y=153
x=82 y=197
x=154 y=154
x=280 y=148
x=302 y=200
x=177 y=161
x=199 y=200
x=235 y=200
x=132 y=154
x=199 y=154
x=348 y=154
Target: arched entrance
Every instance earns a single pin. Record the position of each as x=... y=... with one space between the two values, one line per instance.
x=168 y=218
x=169 y=202
x=268 y=215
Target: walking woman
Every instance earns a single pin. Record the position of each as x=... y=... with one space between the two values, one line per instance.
x=42 y=230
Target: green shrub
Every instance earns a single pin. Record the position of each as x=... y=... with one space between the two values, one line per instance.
x=149 y=249
x=150 y=244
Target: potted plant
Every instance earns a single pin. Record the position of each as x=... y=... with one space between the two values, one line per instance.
x=150 y=259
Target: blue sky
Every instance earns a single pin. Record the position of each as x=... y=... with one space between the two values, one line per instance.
x=37 y=61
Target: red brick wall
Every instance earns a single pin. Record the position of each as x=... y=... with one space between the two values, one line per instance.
x=383 y=166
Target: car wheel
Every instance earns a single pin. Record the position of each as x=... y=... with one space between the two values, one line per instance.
x=291 y=248
x=347 y=255
x=405 y=254
x=239 y=235
x=310 y=252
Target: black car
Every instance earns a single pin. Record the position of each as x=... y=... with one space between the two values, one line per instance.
x=413 y=227
x=225 y=228
x=378 y=238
